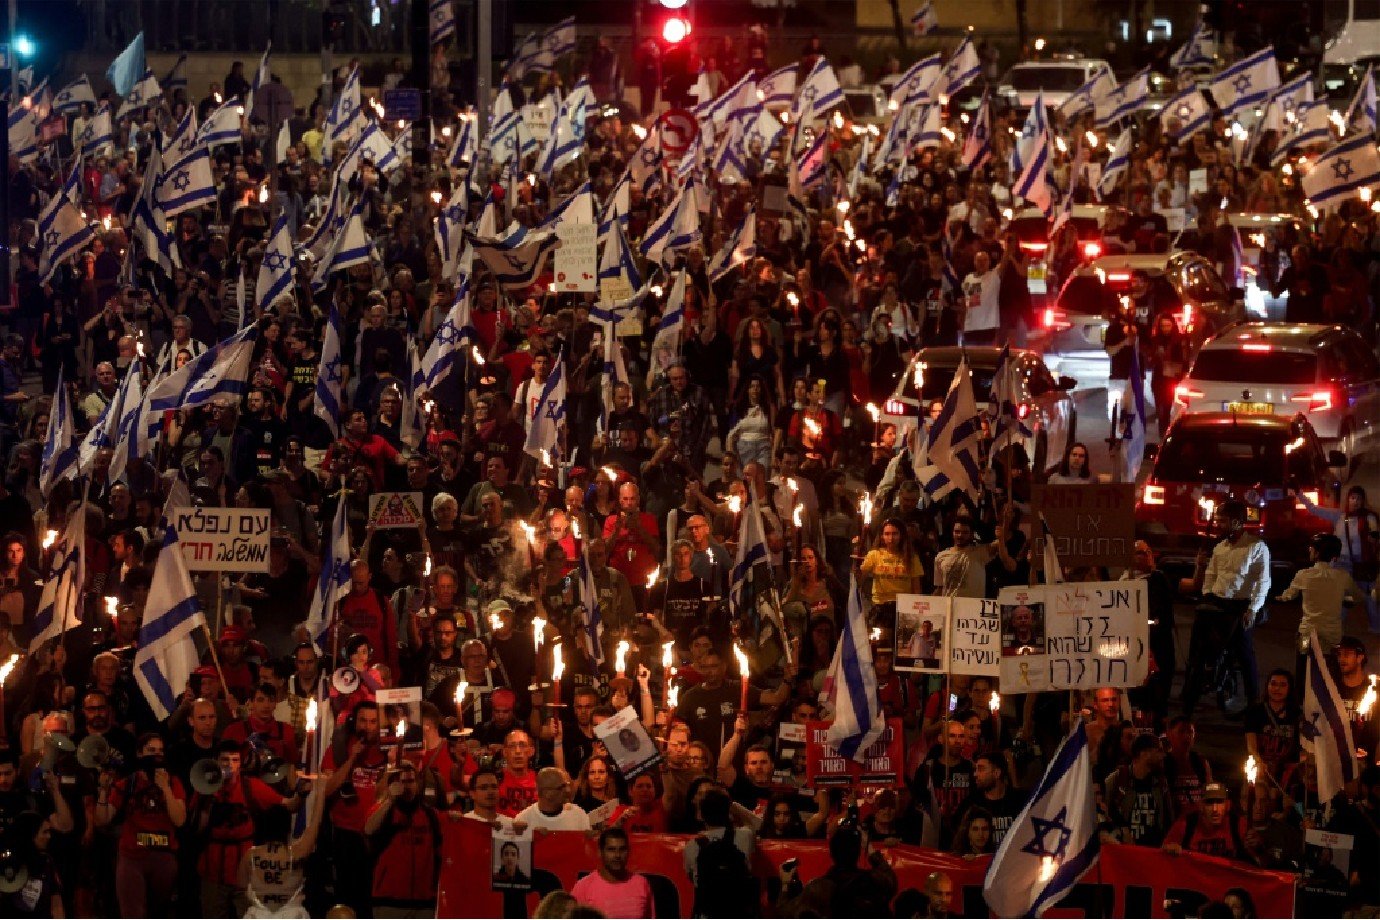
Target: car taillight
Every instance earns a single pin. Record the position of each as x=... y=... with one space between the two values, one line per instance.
x=1118 y=277
x=1186 y=318
x=1183 y=395
x=1154 y=495
x=1312 y=495
x=1054 y=320
x=1034 y=247
x=1313 y=401
x=1022 y=410
x=1092 y=250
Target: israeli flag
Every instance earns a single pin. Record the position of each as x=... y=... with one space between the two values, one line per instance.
x=762 y=133
x=1360 y=114
x=1134 y=419
x=567 y=136
x=1118 y=163
x=778 y=87
x=1197 y=51
x=59 y=448
x=188 y=182
x=672 y=322
x=167 y=653
x=615 y=371
x=221 y=370
x=1054 y=569
x=548 y=418
x=925 y=20
x=617 y=259
x=1036 y=125
x=733 y=103
x=577 y=208
x=177 y=77
x=740 y=249
x=752 y=551
x=74 y=95
x=644 y=169
x=452 y=339
x=331 y=221
x=330 y=381
x=1086 y=96
x=450 y=229
x=105 y=431
x=729 y=160
x=1325 y=729
x=141 y=96
x=62 y=233
x=813 y=164
x=1186 y=114
x=462 y=151
x=350 y=247
x=1246 y=83
x=222 y=126
x=507 y=136
x=442 y=19
x=127 y=69
x=1053 y=842
x=275 y=269
x=1122 y=102
x=341 y=122
x=678 y=227
x=953 y=444
x=97 y=135
x=1312 y=126
x=334 y=582
x=961 y=69
x=148 y=223
x=516 y=258
x=130 y=408
x=23 y=134
x=372 y=145
x=1004 y=405
x=59 y=604
x=850 y=685
x=261 y=77
x=977 y=146
x=592 y=636
x=818 y=94
x=1035 y=185
x=926 y=128
x=917 y=83
x=1294 y=93
x=1341 y=171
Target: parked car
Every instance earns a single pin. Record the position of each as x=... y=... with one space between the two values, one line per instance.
x=1058 y=78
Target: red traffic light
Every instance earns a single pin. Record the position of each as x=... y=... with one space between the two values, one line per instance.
x=675 y=30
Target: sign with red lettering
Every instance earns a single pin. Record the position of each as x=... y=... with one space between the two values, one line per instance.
x=883 y=761
x=1092 y=524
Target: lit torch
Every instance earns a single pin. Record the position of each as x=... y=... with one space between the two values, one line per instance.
x=620 y=659
x=399 y=731
x=8 y=668
x=653 y=577
x=995 y=703
x=667 y=667
x=796 y=515
x=743 y=672
x=557 y=672
x=112 y=607
x=1252 y=770
x=309 y=723
x=610 y=472
x=865 y=509
x=460 y=692
x=735 y=503
x=1367 y=700
x=477 y=355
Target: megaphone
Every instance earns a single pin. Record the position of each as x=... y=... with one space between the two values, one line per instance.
x=14 y=875
x=273 y=771
x=345 y=680
x=55 y=743
x=93 y=752
x=207 y=776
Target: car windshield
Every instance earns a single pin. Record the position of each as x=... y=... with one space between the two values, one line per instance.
x=1028 y=229
x=862 y=105
x=938 y=380
x=1086 y=294
x=1233 y=365
x=1060 y=79
x=1223 y=453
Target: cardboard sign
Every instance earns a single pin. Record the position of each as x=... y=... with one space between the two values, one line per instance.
x=883 y=761
x=1074 y=636
x=223 y=539
x=1197 y=181
x=632 y=749
x=790 y=751
x=921 y=633
x=1093 y=524
x=538 y=119
x=577 y=257
x=395 y=510
x=975 y=637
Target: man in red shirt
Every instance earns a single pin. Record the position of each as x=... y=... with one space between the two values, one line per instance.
x=151 y=805
x=366 y=612
x=359 y=446
x=405 y=833
x=634 y=541
x=1211 y=830
x=276 y=737
x=518 y=788
x=363 y=769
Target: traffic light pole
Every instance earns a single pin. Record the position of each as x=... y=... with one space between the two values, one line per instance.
x=483 y=65
x=421 y=78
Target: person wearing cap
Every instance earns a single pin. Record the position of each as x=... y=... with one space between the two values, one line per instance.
x=502 y=719
x=1137 y=795
x=1211 y=830
x=1352 y=683
x=241 y=675
x=1326 y=591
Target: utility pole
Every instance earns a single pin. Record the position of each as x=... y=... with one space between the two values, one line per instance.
x=421 y=78
x=483 y=65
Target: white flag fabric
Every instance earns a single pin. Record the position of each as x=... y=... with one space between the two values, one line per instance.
x=1186 y=114
x=778 y=87
x=97 y=135
x=739 y=250
x=59 y=604
x=1360 y=115
x=275 y=269
x=1134 y=419
x=677 y=228
x=1340 y=172
x=850 y=686
x=455 y=334
x=567 y=136
x=450 y=229
x=952 y=447
x=961 y=69
x=818 y=94
x=1036 y=124
x=1086 y=96
x=517 y=257
x=1118 y=163
x=141 y=96
x=1247 y=83
x=328 y=399
x=1034 y=185
x=617 y=259
x=149 y=225
x=644 y=169
x=373 y=145
x=925 y=20
x=105 y=430
x=442 y=20
x=1325 y=728
x=341 y=122
x=59 y=458
x=74 y=95
x=1197 y=51
x=1122 y=102
x=672 y=322
x=222 y=126
x=333 y=583
x=350 y=247
x=219 y=371
x=62 y=233
x=917 y=83
x=125 y=423
x=187 y=181
x=977 y=146
x=167 y=653
x=548 y=418
x=262 y=75
x=1053 y=842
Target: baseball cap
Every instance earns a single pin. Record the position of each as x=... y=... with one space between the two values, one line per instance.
x=498 y=606
x=1352 y=643
x=1215 y=792
x=233 y=634
x=504 y=699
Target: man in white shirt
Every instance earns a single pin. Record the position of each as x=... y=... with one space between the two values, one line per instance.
x=1325 y=590
x=1235 y=587
x=553 y=811
x=961 y=569
x=981 y=306
x=484 y=793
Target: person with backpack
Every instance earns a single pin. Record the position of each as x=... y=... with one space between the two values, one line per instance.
x=844 y=890
x=1137 y=795
x=613 y=890
x=405 y=837
x=1211 y=830
x=717 y=862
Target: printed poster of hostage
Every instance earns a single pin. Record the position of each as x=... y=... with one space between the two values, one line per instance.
x=1074 y=636
x=882 y=762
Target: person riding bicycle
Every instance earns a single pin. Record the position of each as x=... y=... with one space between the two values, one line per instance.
x=1234 y=586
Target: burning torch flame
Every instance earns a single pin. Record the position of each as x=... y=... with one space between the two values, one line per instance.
x=919 y=376
x=873 y=411
x=792 y=485
x=667 y=651
x=812 y=427
x=436 y=197
x=495 y=622
x=1048 y=867
x=105 y=222
x=995 y=703
x=538 y=632
x=876 y=634
x=426 y=570
x=652 y=577
x=673 y=697
x=49 y=539
x=557 y=663
x=400 y=729
x=610 y=472
x=620 y=660
x=575 y=527
x=742 y=657
x=477 y=355
x=263 y=195
x=528 y=531
x=1252 y=771
x=312 y=715
x=1367 y=700
x=112 y=606
x=8 y=667
x=545 y=457
x=796 y=515
x=460 y=692
x=865 y=508
x=735 y=503
x=838 y=120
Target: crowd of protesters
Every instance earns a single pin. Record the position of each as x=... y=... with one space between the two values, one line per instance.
x=765 y=404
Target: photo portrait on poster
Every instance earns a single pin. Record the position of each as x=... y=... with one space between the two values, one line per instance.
x=512 y=859
x=921 y=633
x=1023 y=629
x=632 y=749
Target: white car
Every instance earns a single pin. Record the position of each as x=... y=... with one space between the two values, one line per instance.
x=1057 y=79
x=1327 y=373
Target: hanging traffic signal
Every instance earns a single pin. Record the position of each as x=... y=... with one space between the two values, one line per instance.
x=675 y=29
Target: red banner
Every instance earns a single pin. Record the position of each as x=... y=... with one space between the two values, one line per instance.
x=884 y=759
x=1127 y=882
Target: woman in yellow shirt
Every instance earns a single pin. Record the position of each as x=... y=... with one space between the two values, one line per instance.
x=895 y=569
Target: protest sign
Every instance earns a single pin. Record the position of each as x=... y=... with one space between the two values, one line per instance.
x=628 y=743
x=223 y=539
x=975 y=637
x=538 y=118
x=577 y=257
x=511 y=868
x=1092 y=524
x=396 y=510
x=882 y=765
x=921 y=632
x=790 y=753
x=1074 y=636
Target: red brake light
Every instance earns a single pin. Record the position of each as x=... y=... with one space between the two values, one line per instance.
x=1154 y=495
x=1183 y=395
x=1092 y=250
x=1022 y=410
x=1119 y=276
x=1318 y=400
x=1034 y=247
x=1256 y=346
x=1054 y=320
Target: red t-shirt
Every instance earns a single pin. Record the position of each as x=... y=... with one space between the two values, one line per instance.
x=350 y=814
x=370 y=615
x=278 y=737
x=627 y=553
x=231 y=830
x=406 y=869
x=652 y=821
x=146 y=823
x=516 y=792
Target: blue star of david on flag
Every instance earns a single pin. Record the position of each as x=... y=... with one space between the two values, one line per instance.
x=1241 y=84
x=649 y=157
x=51 y=238
x=1341 y=169
x=807 y=96
x=181 y=179
x=453 y=213
x=332 y=370
x=446 y=334
x=275 y=261
x=1043 y=828
x=1308 y=728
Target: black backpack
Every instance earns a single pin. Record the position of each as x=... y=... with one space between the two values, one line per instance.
x=724 y=884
